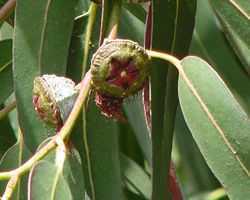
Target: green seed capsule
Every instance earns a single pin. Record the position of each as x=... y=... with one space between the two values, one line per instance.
x=119 y=68
x=53 y=98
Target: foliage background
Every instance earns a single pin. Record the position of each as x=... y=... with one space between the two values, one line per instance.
x=52 y=37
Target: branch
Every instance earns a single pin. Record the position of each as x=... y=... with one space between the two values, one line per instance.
x=6 y=9
x=62 y=134
x=89 y=32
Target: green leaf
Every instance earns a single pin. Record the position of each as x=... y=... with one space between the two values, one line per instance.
x=6 y=31
x=45 y=183
x=81 y=7
x=12 y=159
x=135 y=114
x=195 y=175
x=234 y=16
x=77 y=45
x=135 y=178
x=204 y=45
x=111 y=10
x=48 y=181
x=131 y=22
x=73 y=174
x=75 y=57
x=218 y=124
x=178 y=16
x=6 y=82
x=39 y=47
x=137 y=10
x=101 y=156
x=133 y=107
x=100 y=135
x=7 y=137
x=129 y=145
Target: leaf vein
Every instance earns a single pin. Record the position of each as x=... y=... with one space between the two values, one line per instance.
x=237 y=6
x=212 y=120
x=175 y=26
x=43 y=34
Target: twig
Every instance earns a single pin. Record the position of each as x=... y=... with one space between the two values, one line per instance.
x=6 y=9
x=10 y=187
x=89 y=30
x=7 y=109
x=63 y=134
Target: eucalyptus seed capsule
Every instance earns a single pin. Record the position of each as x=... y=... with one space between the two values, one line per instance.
x=53 y=98
x=119 y=68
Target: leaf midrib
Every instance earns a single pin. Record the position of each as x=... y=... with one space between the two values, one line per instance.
x=240 y=9
x=44 y=27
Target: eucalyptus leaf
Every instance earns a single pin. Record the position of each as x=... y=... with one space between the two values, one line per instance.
x=6 y=31
x=46 y=183
x=6 y=81
x=210 y=44
x=133 y=107
x=73 y=174
x=131 y=22
x=135 y=178
x=129 y=145
x=191 y=160
x=137 y=10
x=102 y=161
x=135 y=115
x=62 y=183
x=179 y=18
x=235 y=20
x=41 y=42
x=12 y=159
x=219 y=125
x=7 y=136
x=100 y=138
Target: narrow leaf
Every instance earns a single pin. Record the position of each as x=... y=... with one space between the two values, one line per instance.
x=6 y=31
x=41 y=41
x=178 y=17
x=47 y=177
x=234 y=16
x=46 y=183
x=135 y=115
x=6 y=82
x=12 y=159
x=133 y=107
x=135 y=178
x=7 y=136
x=218 y=124
x=102 y=156
x=204 y=45
x=195 y=174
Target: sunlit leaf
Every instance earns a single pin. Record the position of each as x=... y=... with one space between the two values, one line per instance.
x=218 y=124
